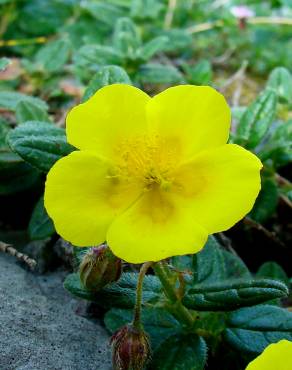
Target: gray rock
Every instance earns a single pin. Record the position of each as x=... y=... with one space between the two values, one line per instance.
x=39 y=329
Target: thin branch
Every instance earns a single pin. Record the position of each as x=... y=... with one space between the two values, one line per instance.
x=169 y=14
x=226 y=243
x=201 y=27
x=286 y=200
x=20 y=42
x=238 y=77
x=282 y=180
x=7 y=248
x=254 y=20
x=248 y=221
x=270 y=20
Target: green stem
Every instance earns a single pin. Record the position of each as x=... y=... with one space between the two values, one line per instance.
x=183 y=314
x=139 y=291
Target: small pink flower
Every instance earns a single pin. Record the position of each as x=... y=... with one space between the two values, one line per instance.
x=242 y=12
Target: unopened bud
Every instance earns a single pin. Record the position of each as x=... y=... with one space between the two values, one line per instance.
x=131 y=348
x=99 y=267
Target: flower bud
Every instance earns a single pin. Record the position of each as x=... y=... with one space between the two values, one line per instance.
x=99 y=267
x=131 y=348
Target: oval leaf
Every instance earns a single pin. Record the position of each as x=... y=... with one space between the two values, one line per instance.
x=40 y=144
x=229 y=295
x=252 y=329
x=181 y=352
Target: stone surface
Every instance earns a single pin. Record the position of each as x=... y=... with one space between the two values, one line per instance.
x=39 y=329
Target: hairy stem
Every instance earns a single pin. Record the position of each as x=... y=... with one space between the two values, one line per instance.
x=139 y=292
x=163 y=273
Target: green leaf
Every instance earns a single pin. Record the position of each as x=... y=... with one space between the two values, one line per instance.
x=15 y=175
x=278 y=146
x=53 y=56
x=4 y=63
x=120 y=294
x=209 y=263
x=179 y=40
x=9 y=100
x=126 y=38
x=256 y=120
x=39 y=20
x=267 y=201
x=231 y=294
x=158 y=73
x=234 y=266
x=200 y=73
x=181 y=352
x=28 y=111
x=252 y=329
x=4 y=129
x=90 y=56
x=158 y=323
x=40 y=144
x=107 y=75
x=40 y=225
x=148 y=50
x=280 y=80
x=103 y=11
x=272 y=270
x=145 y=9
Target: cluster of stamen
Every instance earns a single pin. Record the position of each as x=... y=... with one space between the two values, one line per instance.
x=146 y=159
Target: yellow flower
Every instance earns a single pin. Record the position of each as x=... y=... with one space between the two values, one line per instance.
x=153 y=176
x=277 y=356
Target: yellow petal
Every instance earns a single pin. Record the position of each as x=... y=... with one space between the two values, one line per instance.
x=154 y=228
x=82 y=197
x=220 y=185
x=277 y=356
x=195 y=117
x=114 y=113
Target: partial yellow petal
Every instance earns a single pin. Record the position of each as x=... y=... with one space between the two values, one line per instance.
x=195 y=117
x=112 y=115
x=82 y=197
x=154 y=228
x=221 y=186
x=277 y=356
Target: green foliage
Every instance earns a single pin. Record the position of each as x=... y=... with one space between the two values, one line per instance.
x=230 y=294
x=15 y=175
x=40 y=225
x=120 y=294
x=251 y=329
x=181 y=352
x=256 y=120
x=267 y=201
x=200 y=73
x=159 y=73
x=40 y=144
x=280 y=80
x=273 y=270
x=53 y=56
x=28 y=111
x=9 y=100
x=178 y=346
x=158 y=323
x=209 y=263
x=107 y=75
x=278 y=146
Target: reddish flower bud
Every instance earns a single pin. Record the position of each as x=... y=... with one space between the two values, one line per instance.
x=131 y=348
x=99 y=267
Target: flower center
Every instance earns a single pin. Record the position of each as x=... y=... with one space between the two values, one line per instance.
x=150 y=160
